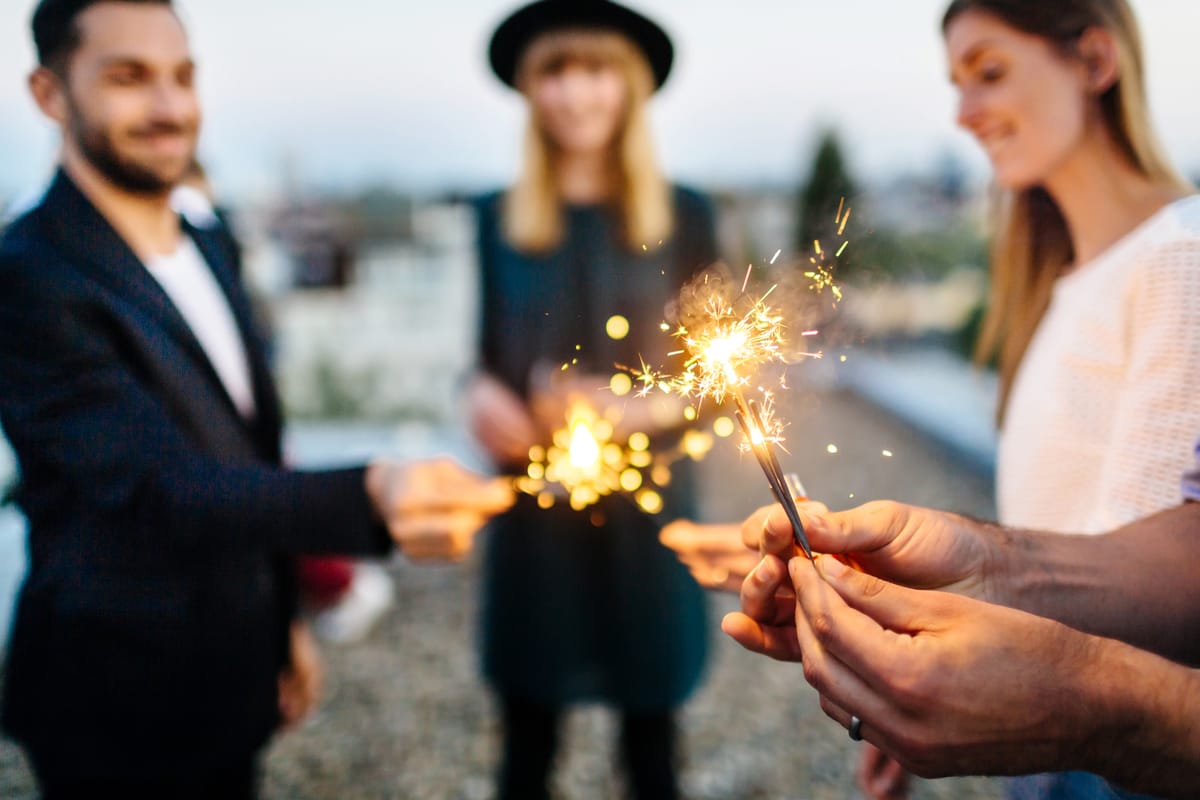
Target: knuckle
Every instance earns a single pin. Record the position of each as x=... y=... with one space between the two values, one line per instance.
x=822 y=625
x=912 y=688
x=871 y=586
x=884 y=509
x=814 y=676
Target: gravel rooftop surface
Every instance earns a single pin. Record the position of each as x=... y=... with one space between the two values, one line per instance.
x=406 y=716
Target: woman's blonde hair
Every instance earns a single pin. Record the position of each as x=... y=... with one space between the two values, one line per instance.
x=533 y=207
x=1032 y=244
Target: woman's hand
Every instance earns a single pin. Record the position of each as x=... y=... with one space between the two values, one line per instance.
x=500 y=421
x=714 y=554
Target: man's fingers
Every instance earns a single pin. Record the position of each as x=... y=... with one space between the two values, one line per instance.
x=444 y=537
x=893 y=607
x=859 y=530
x=753 y=528
x=777 y=642
x=457 y=490
x=845 y=652
x=760 y=591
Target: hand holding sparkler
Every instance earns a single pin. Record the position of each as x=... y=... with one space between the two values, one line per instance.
x=433 y=509
x=714 y=554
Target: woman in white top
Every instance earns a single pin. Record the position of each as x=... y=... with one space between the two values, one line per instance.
x=1095 y=282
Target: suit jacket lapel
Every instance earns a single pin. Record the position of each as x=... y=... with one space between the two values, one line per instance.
x=219 y=250
x=84 y=233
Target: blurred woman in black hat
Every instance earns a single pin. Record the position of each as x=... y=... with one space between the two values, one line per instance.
x=577 y=601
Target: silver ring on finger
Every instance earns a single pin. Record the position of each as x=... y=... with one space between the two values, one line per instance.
x=855 y=729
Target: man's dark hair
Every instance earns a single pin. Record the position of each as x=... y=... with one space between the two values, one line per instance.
x=56 y=32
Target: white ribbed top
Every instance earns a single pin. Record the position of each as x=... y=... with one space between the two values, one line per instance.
x=1105 y=409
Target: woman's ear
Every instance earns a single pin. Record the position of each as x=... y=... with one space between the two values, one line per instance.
x=1098 y=50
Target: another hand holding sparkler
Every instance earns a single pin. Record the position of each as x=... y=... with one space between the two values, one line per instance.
x=721 y=557
x=714 y=554
x=433 y=509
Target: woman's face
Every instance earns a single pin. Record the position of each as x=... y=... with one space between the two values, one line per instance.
x=1026 y=103
x=580 y=104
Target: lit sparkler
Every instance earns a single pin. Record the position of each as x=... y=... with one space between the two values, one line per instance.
x=585 y=462
x=724 y=347
x=727 y=339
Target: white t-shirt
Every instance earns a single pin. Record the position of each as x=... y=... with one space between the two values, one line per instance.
x=186 y=278
x=1105 y=408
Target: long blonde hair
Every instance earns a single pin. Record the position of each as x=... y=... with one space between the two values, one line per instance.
x=533 y=207
x=1032 y=243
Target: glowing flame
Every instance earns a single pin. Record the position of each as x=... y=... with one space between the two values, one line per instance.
x=584 y=463
x=585 y=450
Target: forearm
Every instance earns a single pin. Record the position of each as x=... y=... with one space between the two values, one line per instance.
x=205 y=503
x=1139 y=584
x=1146 y=721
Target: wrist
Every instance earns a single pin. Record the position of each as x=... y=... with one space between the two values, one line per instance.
x=1004 y=564
x=1143 y=709
x=375 y=481
x=1137 y=717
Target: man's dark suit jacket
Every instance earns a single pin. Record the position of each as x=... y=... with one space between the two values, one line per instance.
x=152 y=625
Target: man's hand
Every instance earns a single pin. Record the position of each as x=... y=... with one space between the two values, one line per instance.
x=767 y=623
x=714 y=554
x=301 y=681
x=433 y=509
x=908 y=545
x=945 y=684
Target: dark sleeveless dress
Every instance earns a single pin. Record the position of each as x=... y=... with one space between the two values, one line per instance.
x=571 y=611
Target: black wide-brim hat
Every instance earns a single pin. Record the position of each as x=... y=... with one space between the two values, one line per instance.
x=527 y=23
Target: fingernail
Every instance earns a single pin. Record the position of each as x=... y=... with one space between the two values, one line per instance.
x=763 y=573
x=832 y=566
x=795 y=565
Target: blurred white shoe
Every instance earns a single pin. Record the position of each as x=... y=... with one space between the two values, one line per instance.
x=370 y=594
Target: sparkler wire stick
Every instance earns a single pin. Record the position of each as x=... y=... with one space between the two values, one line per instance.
x=750 y=420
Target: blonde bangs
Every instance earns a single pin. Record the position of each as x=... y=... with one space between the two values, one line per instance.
x=533 y=208
x=552 y=51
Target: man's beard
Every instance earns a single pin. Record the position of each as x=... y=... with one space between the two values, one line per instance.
x=98 y=149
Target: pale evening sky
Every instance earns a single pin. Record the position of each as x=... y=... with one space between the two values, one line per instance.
x=357 y=91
